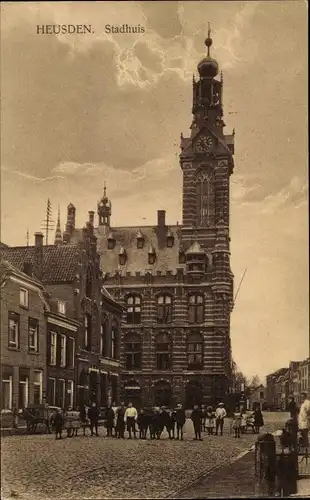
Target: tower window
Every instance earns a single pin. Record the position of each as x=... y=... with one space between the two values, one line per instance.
x=196 y=309
x=133 y=310
x=194 y=351
x=122 y=257
x=205 y=198
x=181 y=257
x=133 y=351
x=170 y=239
x=111 y=244
x=140 y=242
x=164 y=309
x=163 y=352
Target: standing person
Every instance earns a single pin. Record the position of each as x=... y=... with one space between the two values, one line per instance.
x=210 y=420
x=165 y=416
x=258 y=419
x=120 y=423
x=196 y=417
x=172 y=423
x=109 y=417
x=142 y=422
x=114 y=408
x=130 y=419
x=180 y=419
x=203 y=419
x=304 y=419
x=58 y=423
x=220 y=414
x=237 y=421
x=152 y=424
x=292 y=407
x=93 y=415
x=83 y=418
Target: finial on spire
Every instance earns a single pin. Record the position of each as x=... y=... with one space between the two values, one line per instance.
x=27 y=236
x=104 y=189
x=208 y=40
x=222 y=78
x=233 y=132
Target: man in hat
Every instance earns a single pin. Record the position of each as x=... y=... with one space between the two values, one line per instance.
x=220 y=414
x=180 y=419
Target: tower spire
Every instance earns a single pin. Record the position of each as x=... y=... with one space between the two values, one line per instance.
x=58 y=236
x=208 y=41
x=105 y=189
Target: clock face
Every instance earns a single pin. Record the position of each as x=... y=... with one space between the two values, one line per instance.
x=204 y=144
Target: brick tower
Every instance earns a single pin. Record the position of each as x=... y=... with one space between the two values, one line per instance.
x=174 y=281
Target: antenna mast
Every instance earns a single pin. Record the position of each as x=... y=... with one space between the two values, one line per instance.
x=48 y=224
x=238 y=289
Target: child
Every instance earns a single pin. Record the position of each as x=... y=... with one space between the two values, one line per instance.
x=210 y=420
x=237 y=422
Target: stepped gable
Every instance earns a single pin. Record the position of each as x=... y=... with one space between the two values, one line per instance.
x=167 y=258
x=59 y=261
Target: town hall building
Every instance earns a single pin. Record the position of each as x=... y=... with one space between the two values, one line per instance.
x=175 y=282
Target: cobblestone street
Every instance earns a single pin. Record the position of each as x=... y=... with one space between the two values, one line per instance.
x=97 y=467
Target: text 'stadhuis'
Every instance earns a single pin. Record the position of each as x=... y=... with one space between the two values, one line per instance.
x=175 y=282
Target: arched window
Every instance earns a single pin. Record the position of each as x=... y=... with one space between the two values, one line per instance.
x=164 y=309
x=196 y=309
x=205 y=198
x=163 y=352
x=133 y=351
x=195 y=351
x=89 y=283
x=133 y=310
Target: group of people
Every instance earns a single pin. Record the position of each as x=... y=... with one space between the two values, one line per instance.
x=140 y=422
x=299 y=421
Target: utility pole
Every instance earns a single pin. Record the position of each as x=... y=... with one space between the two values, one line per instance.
x=48 y=224
x=238 y=289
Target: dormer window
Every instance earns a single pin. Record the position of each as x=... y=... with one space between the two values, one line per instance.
x=181 y=257
x=111 y=241
x=152 y=256
x=140 y=240
x=122 y=256
x=170 y=238
x=61 y=307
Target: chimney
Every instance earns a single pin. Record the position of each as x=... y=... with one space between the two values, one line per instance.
x=27 y=268
x=161 y=218
x=38 y=255
x=91 y=215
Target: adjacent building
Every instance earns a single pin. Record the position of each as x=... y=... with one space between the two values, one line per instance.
x=174 y=282
x=288 y=382
x=81 y=324
x=24 y=302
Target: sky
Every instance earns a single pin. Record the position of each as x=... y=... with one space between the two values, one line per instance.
x=81 y=110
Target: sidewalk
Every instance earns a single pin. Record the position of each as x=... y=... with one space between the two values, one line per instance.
x=234 y=480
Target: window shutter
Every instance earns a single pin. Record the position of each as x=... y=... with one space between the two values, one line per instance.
x=58 y=349
x=68 y=352
x=49 y=348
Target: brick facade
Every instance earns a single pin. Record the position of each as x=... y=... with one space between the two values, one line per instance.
x=23 y=366
x=188 y=262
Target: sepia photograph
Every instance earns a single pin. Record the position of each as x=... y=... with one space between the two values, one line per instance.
x=154 y=250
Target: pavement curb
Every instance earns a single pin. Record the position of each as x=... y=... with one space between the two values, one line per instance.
x=205 y=474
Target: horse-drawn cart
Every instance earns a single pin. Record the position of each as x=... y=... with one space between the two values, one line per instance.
x=41 y=415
